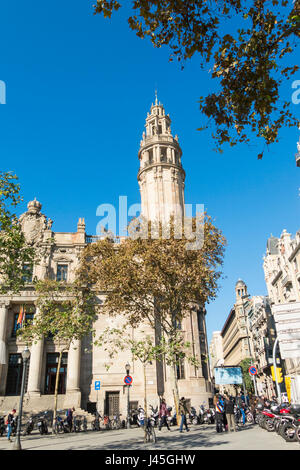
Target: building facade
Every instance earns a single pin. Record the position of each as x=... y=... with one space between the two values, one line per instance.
x=161 y=179
x=282 y=274
x=234 y=332
x=262 y=335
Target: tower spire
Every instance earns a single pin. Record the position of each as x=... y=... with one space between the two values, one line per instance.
x=161 y=176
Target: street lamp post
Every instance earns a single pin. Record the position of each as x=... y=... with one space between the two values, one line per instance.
x=127 y=368
x=25 y=357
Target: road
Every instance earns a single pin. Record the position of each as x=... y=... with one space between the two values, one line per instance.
x=199 y=438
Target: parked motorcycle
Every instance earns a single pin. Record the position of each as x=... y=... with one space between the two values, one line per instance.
x=42 y=424
x=96 y=422
x=201 y=414
x=290 y=430
x=76 y=424
x=193 y=417
x=2 y=426
x=154 y=414
x=29 y=426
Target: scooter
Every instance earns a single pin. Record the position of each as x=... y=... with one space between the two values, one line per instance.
x=193 y=417
x=29 y=426
x=42 y=424
x=96 y=423
x=2 y=426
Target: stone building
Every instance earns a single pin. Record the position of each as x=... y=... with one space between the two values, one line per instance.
x=216 y=351
x=282 y=274
x=262 y=334
x=234 y=332
x=161 y=179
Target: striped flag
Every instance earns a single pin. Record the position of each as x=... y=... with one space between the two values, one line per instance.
x=21 y=316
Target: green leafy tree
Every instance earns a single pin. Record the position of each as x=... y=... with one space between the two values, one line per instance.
x=247 y=47
x=155 y=280
x=115 y=340
x=65 y=313
x=14 y=250
x=245 y=364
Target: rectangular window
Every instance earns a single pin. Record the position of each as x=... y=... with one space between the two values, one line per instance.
x=62 y=272
x=27 y=273
x=14 y=375
x=28 y=318
x=51 y=368
x=180 y=369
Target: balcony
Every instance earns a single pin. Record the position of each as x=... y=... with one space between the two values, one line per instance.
x=286 y=280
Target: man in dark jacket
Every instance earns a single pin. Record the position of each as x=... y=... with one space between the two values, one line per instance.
x=183 y=411
x=229 y=411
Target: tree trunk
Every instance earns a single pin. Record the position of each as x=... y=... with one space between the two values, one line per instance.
x=56 y=388
x=145 y=401
x=175 y=391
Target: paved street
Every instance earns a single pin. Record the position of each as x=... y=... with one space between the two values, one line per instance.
x=199 y=438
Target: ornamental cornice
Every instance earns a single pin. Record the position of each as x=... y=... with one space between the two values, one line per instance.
x=161 y=165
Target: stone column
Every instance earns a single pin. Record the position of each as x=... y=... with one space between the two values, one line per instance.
x=73 y=394
x=3 y=347
x=35 y=367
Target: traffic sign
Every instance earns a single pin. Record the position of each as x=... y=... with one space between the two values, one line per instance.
x=128 y=380
x=252 y=370
x=97 y=384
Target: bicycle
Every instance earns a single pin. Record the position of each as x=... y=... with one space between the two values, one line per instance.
x=150 y=435
x=116 y=422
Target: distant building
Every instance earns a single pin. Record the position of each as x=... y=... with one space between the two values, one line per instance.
x=234 y=331
x=262 y=335
x=216 y=351
x=282 y=274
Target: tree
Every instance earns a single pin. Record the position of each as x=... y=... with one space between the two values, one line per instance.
x=14 y=250
x=248 y=381
x=249 y=60
x=65 y=313
x=115 y=340
x=156 y=279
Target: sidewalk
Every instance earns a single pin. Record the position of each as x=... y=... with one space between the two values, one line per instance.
x=199 y=438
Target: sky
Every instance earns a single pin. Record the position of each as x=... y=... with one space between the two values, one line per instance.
x=78 y=89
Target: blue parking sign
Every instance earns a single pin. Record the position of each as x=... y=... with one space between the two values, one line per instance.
x=97 y=385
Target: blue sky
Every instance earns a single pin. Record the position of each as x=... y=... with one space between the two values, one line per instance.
x=78 y=91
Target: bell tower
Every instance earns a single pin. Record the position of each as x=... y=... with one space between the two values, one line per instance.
x=161 y=176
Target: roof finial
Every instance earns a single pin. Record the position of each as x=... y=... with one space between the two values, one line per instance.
x=156 y=101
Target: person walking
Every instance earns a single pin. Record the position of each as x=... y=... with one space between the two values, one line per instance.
x=183 y=411
x=163 y=415
x=219 y=415
x=229 y=413
x=70 y=417
x=9 y=423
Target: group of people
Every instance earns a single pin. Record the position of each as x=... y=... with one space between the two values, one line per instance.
x=164 y=413
x=227 y=407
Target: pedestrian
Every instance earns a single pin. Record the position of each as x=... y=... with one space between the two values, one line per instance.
x=183 y=411
x=9 y=423
x=219 y=415
x=229 y=413
x=70 y=417
x=163 y=415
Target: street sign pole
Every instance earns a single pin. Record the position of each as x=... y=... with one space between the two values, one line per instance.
x=275 y=369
